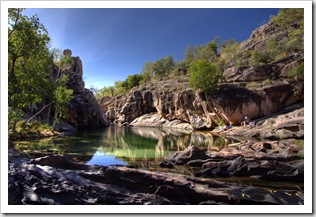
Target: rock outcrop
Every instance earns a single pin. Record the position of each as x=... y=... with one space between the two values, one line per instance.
x=252 y=91
x=48 y=182
x=278 y=161
x=83 y=109
x=288 y=123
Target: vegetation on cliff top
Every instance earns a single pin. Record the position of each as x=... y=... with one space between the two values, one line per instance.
x=206 y=63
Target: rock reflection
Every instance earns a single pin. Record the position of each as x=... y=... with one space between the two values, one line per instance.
x=131 y=145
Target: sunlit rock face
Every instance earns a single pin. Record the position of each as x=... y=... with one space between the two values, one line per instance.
x=83 y=109
x=252 y=91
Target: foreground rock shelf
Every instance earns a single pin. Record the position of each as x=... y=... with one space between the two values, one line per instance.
x=277 y=161
x=57 y=180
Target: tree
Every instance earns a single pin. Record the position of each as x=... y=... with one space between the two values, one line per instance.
x=147 y=72
x=229 y=52
x=133 y=80
x=207 y=52
x=210 y=52
x=29 y=60
x=204 y=76
x=163 y=67
x=62 y=95
x=193 y=53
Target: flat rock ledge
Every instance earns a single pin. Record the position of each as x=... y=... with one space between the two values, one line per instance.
x=57 y=180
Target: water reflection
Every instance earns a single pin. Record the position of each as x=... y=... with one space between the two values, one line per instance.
x=118 y=145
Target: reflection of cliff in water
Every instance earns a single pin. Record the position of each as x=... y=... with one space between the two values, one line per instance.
x=128 y=144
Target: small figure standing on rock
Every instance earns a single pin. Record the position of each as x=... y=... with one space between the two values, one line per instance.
x=246 y=121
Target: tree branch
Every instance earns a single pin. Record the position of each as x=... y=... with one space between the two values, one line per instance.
x=16 y=21
x=31 y=118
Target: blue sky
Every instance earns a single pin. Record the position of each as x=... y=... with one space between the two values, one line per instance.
x=115 y=43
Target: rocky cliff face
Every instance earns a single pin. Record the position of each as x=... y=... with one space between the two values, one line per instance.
x=252 y=91
x=83 y=109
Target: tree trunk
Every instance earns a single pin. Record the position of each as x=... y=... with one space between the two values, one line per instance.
x=55 y=116
x=48 y=113
x=31 y=118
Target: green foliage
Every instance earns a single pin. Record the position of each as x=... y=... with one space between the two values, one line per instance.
x=229 y=52
x=32 y=129
x=29 y=59
x=62 y=95
x=133 y=80
x=266 y=82
x=274 y=48
x=297 y=70
x=289 y=18
x=259 y=58
x=13 y=117
x=163 y=67
x=204 y=76
x=200 y=52
x=221 y=122
x=299 y=143
x=147 y=72
x=291 y=21
x=254 y=84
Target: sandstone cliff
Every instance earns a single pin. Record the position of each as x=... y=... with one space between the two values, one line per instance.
x=252 y=91
x=83 y=109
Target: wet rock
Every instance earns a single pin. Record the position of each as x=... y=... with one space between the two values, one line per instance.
x=165 y=165
x=47 y=185
x=292 y=171
x=244 y=159
x=58 y=161
x=189 y=154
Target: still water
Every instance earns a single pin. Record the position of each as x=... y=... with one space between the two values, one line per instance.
x=141 y=148
x=121 y=146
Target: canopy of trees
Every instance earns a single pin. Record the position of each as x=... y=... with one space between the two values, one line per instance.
x=32 y=86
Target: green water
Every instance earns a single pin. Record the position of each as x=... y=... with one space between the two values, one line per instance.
x=142 y=148
x=120 y=145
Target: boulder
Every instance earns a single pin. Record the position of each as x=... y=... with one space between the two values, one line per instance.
x=189 y=154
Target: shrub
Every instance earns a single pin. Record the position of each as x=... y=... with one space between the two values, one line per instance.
x=204 y=76
x=259 y=58
x=297 y=70
x=266 y=82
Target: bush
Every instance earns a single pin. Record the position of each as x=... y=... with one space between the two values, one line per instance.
x=297 y=71
x=259 y=58
x=204 y=76
x=291 y=21
x=266 y=82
